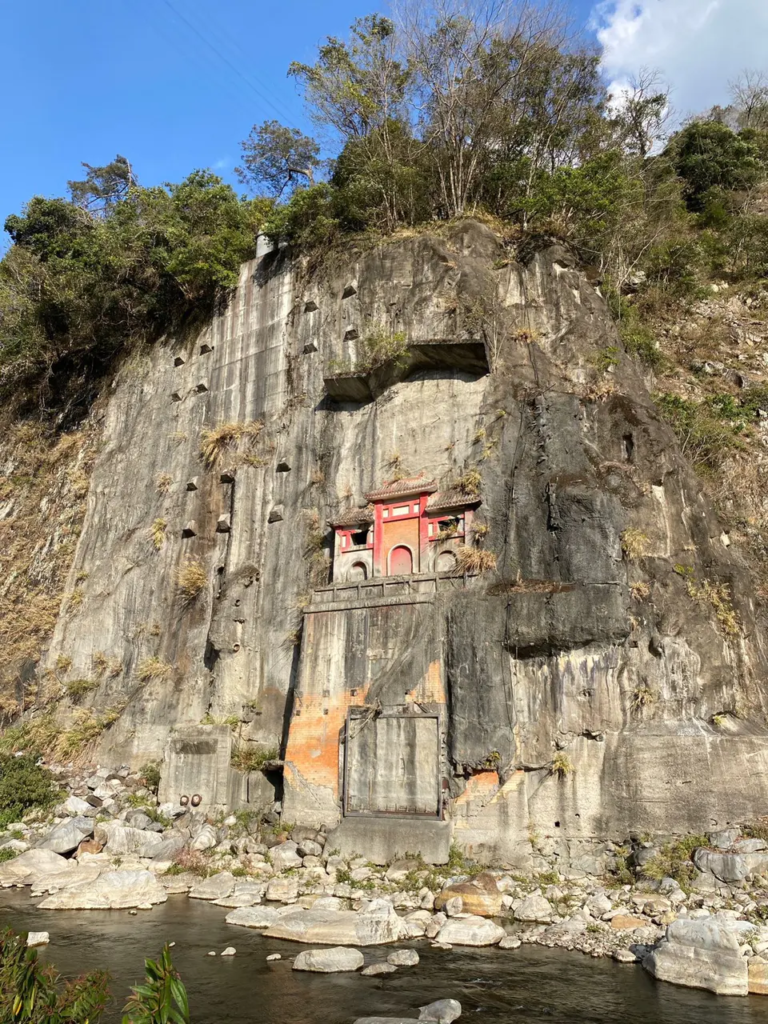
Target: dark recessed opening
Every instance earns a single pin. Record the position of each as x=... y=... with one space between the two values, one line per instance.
x=629 y=447
x=361 y=537
x=557 y=824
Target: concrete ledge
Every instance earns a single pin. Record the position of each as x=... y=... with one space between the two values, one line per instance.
x=383 y=839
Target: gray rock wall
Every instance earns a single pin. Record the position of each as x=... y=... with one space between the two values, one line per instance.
x=630 y=666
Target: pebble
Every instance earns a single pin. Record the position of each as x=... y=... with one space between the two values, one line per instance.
x=229 y=951
x=274 y=956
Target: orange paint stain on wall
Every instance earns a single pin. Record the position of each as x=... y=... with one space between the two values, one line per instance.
x=313 y=739
x=482 y=787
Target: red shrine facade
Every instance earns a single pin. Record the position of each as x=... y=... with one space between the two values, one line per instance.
x=407 y=527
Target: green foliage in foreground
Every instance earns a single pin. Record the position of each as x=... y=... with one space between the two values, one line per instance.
x=23 y=785
x=163 y=997
x=31 y=993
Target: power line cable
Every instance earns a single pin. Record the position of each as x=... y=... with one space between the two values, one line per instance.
x=223 y=37
x=190 y=54
x=221 y=56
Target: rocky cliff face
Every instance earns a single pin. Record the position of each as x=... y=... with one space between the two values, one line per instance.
x=605 y=677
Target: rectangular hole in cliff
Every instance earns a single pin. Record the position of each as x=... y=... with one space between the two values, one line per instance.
x=629 y=447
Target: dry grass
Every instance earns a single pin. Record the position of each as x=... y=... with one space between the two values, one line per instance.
x=475 y=560
x=229 y=439
x=191 y=578
x=40 y=469
x=639 y=591
x=157 y=532
x=164 y=482
x=643 y=697
x=253 y=759
x=151 y=669
x=469 y=483
x=77 y=688
x=562 y=765
x=634 y=544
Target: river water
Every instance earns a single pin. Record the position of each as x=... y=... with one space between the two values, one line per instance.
x=530 y=985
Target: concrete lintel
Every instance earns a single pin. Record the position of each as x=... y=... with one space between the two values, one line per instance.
x=370 y=602
x=384 y=839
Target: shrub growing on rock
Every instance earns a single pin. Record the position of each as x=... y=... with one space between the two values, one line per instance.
x=23 y=785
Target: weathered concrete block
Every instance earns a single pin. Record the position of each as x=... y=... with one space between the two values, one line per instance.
x=383 y=840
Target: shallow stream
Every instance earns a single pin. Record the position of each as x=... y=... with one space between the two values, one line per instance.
x=530 y=985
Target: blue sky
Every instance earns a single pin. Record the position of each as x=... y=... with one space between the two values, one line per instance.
x=176 y=84
x=86 y=79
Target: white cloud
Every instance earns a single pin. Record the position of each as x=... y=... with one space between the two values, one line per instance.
x=698 y=45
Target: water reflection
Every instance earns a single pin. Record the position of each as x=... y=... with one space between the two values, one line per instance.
x=524 y=986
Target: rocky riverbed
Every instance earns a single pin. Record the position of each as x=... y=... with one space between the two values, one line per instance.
x=110 y=846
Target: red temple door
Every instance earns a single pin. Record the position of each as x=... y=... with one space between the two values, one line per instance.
x=400 y=561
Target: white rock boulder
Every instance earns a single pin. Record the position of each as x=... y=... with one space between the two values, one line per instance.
x=470 y=931
x=114 y=890
x=329 y=961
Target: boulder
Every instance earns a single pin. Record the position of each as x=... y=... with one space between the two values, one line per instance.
x=375 y=969
x=138 y=819
x=725 y=839
x=114 y=890
x=88 y=846
x=38 y=938
x=283 y=890
x=216 y=887
x=253 y=917
x=399 y=869
x=67 y=836
x=534 y=908
x=403 y=958
x=731 y=867
x=703 y=953
x=205 y=839
x=757 y=976
x=626 y=922
x=470 y=931
x=245 y=894
x=329 y=961
x=30 y=867
x=443 y=1011
x=308 y=848
x=119 y=840
x=107 y=788
x=284 y=856
x=480 y=896
x=74 y=805
x=510 y=942
x=167 y=850
x=377 y=924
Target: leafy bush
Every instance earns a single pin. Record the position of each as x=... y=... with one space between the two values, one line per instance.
x=24 y=784
x=33 y=994
x=150 y=774
x=673 y=860
x=306 y=221
x=708 y=154
x=192 y=579
x=162 y=999
x=703 y=436
x=79 y=287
